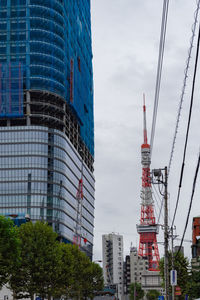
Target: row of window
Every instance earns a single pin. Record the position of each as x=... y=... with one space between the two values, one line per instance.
x=66 y=155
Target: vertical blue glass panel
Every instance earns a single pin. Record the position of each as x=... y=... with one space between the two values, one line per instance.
x=11 y=90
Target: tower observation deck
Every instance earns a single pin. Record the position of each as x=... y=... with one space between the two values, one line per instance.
x=147 y=229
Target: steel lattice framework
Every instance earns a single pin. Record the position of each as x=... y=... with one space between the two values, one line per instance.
x=148 y=229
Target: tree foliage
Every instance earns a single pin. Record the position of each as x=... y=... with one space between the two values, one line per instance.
x=136 y=291
x=193 y=285
x=181 y=264
x=93 y=280
x=87 y=276
x=41 y=261
x=152 y=295
x=9 y=249
x=49 y=268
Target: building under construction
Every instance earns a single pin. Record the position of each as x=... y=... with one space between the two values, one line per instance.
x=46 y=114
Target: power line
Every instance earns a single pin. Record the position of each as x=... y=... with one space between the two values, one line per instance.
x=159 y=67
x=156 y=195
x=184 y=83
x=153 y=195
x=188 y=127
x=190 y=206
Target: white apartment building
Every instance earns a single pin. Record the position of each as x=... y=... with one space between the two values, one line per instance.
x=138 y=266
x=112 y=248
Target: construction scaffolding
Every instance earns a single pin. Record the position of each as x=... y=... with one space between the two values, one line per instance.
x=45 y=36
x=11 y=90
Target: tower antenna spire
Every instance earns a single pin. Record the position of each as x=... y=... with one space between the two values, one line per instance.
x=147 y=229
x=145 y=122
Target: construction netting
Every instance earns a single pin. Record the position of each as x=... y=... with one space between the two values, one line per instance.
x=45 y=36
x=11 y=90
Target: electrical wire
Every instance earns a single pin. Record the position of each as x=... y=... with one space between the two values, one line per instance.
x=188 y=127
x=156 y=195
x=184 y=83
x=155 y=208
x=190 y=206
x=159 y=67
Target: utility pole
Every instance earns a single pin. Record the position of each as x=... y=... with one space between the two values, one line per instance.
x=173 y=237
x=172 y=259
x=166 y=243
x=163 y=179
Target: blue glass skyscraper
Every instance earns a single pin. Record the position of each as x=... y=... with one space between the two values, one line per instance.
x=46 y=112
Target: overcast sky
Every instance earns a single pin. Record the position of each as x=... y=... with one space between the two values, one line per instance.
x=125 y=47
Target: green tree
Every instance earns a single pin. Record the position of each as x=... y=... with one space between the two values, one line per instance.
x=87 y=276
x=9 y=249
x=181 y=264
x=79 y=277
x=136 y=291
x=40 y=266
x=66 y=278
x=152 y=295
x=93 y=280
x=49 y=268
x=193 y=285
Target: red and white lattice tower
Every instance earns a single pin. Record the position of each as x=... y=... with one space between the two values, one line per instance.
x=148 y=229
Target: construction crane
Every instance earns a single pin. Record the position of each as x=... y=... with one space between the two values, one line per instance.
x=147 y=229
x=79 y=208
x=57 y=215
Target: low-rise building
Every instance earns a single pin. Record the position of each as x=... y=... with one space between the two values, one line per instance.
x=138 y=265
x=136 y=270
x=151 y=280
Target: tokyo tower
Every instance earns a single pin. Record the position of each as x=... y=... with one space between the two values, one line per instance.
x=148 y=229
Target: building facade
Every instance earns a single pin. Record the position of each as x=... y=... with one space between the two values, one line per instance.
x=127 y=275
x=136 y=270
x=195 y=262
x=151 y=280
x=138 y=266
x=46 y=113
x=112 y=249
